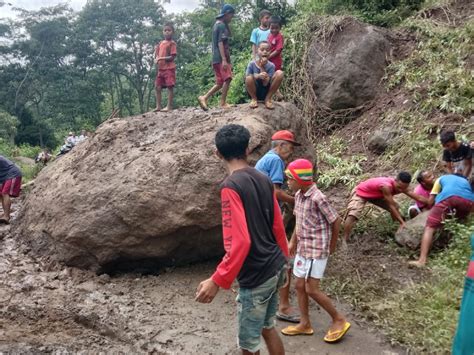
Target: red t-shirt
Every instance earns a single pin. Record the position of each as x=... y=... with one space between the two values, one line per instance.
x=276 y=43
x=371 y=188
x=165 y=49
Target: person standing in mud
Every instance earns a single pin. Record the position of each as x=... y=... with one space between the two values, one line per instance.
x=10 y=185
x=220 y=58
x=255 y=243
x=272 y=164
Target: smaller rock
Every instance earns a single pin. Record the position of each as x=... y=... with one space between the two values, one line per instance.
x=410 y=236
x=382 y=139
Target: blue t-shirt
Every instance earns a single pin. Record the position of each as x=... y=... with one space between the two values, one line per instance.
x=452 y=185
x=273 y=166
x=258 y=35
x=252 y=69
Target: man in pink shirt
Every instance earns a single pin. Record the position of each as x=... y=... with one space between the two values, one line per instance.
x=378 y=191
x=426 y=181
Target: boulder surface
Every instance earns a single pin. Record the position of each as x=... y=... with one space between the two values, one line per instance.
x=410 y=236
x=346 y=67
x=144 y=190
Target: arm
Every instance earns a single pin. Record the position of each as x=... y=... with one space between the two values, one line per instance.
x=392 y=205
x=293 y=243
x=467 y=167
x=222 y=53
x=279 y=228
x=417 y=197
x=448 y=166
x=283 y=196
x=171 y=54
x=254 y=51
x=431 y=201
x=335 y=227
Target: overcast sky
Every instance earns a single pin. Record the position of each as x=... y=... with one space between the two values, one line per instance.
x=5 y=11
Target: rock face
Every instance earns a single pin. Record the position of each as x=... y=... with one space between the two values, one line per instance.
x=410 y=236
x=144 y=190
x=346 y=69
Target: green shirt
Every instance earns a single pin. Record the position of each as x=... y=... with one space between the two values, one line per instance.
x=220 y=33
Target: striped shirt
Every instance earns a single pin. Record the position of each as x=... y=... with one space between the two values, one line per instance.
x=314 y=216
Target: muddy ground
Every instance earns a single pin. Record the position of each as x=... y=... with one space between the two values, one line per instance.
x=51 y=309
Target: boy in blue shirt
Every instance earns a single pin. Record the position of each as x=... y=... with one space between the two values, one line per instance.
x=260 y=33
x=261 y=79
x=451 y=194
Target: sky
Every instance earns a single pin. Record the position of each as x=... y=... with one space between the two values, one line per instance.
x=5 y=10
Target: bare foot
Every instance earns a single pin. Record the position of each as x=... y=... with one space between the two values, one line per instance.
x=226 y=106
x=157 y=109
x=203 y=103
x=279 y=96
x=253 y=104
x=269 y=105
x=416 y=264
x=166 y=109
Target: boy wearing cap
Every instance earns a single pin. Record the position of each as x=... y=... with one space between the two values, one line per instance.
x=220 y=57
x=314 y=238
x=255 y=244
x=272 y=164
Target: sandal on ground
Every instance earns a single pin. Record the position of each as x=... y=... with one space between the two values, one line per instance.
x=329 y=338
x=202 y=103
x=157 y=110
x=293 y=330
x=253 y=104
x=269 y=105
x=292 y=318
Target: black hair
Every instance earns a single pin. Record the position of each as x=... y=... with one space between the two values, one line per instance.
x=232 y=141
x=264 y=13
x=404 y=176
x=446 y=137
x=275 y=20
x=265 y=42
x=419 y=177
x=170 y=25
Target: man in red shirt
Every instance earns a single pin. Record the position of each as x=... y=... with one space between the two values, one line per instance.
x=255 y=244
x=378 y=191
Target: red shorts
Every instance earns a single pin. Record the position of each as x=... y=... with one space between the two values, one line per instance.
x=166 y=78
x=11 y=187
x=461 y=208
x=222 y=75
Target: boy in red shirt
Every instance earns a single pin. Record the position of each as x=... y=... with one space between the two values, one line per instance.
x=276 y=43
x=165 y=54
x=255 y=244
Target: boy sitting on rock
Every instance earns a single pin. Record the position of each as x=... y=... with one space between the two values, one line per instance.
x=261 y=80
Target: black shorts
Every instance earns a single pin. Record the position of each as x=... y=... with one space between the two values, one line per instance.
x=262 y=90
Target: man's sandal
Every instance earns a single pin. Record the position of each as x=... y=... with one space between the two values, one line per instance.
x=329 y=338
x=253 y=104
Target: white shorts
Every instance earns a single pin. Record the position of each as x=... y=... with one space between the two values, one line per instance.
x=414 y=207
x=304 y=268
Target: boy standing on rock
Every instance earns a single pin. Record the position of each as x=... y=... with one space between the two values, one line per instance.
x=220 y=57
x=314 y=238
x=10 y=185
x=255 y=244
x=165 y=53
x=262 y=32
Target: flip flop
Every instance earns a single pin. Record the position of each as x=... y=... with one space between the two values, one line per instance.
x=253 y=104
x=202 y=103
x=341 y=333
x=269 y=105
x=292 y=331
x=292 y=318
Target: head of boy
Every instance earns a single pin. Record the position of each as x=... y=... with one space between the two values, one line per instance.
x=283 y=143
x=275 y=25
x=263 y=50
x=226 y=14
x=299 y=174
x=426 y=179
x=232 y=142
x=168 y=30
x=264 y=17
x=402 y=181
x=448 y=141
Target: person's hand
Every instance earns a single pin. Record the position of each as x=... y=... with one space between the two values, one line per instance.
x=206 y=291
x=264 y=76
x=402 y=225
x=225 y=65
x=292 y=249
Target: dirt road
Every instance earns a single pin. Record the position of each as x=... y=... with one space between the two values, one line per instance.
x=54 y=309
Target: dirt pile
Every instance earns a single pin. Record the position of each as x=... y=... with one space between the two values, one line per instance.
x=143 y=192
x=347 y=65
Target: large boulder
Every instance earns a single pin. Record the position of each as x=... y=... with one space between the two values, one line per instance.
x=347 y=64
x=143 y=190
